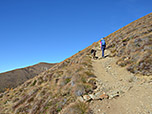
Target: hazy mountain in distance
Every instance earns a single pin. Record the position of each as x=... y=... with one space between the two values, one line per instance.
x=16 y=77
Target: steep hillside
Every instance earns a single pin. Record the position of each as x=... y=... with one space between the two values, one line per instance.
x=16 y=77
x=51 y=91
x=133 y=44
x=69 y=87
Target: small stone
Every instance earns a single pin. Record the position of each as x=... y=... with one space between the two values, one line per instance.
x=72 y=83
x=113 y=94
x=98 y=94
x=92 y=96
x=104 y=96
x=121 y=80
x=109 y=67
x=108 y=106
x=87 y=98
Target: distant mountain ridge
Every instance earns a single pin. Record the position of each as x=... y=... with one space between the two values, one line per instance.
x=16 y=77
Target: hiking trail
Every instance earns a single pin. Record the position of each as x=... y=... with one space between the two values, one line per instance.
x=133 y=93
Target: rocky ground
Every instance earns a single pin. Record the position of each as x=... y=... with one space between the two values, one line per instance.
x=119 y=91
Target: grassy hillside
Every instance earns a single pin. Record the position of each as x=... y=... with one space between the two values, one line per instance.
x=54 y=89
x=17 y=77
x=57 y=89
x=133 y=45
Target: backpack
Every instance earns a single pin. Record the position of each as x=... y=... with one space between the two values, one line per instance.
x=103 y=42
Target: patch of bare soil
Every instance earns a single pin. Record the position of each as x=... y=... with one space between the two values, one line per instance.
x=133 y=94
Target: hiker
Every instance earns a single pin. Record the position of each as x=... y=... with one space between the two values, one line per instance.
x=103 y=46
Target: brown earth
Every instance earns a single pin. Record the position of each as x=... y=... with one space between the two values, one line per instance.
x=12 y=79
x=134 y=91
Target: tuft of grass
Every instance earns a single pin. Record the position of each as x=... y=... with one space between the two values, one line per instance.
x=88 y=88
x=89 y=74
x=34 y=83
x=83 y=78
x=80 y=69
x=81 y=107
x=60 y=73
x=67 y=80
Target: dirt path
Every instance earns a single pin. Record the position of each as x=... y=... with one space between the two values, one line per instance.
x=135 y=93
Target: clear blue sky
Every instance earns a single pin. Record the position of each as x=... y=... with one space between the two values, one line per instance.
x=33 y=31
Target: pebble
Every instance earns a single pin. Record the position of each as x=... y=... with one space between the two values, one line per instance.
x=104 y=96
x=92 y=96
x=87 y=98
x=113 y=94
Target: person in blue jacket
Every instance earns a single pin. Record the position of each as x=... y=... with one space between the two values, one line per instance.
x=103 y=46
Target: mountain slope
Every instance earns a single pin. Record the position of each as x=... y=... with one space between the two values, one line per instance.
x=133 y=44
x=128 y=94
x=16 y=77
x=58 y=90
x=51 y=90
